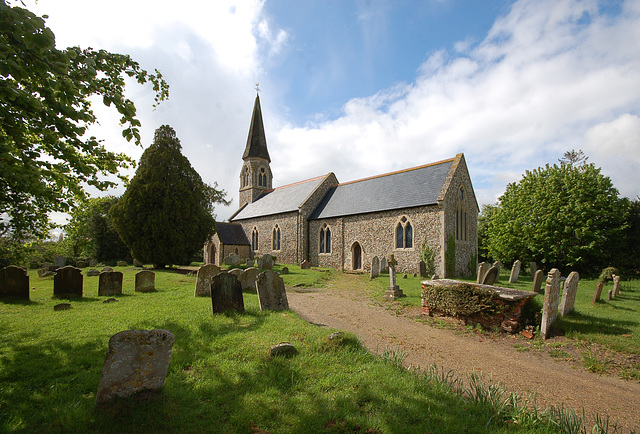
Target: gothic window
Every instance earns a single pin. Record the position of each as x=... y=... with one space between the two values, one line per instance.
x=461 y=216
x=254 y=239
x=276 y=238
x=325 y=239
x=404 y=234
x=245 y=177
x=262 y=178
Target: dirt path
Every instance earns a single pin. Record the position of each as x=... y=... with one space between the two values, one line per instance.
x=553 y=382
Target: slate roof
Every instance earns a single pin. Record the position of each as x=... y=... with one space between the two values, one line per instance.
x=418 y=186
x=256 y=141
x=231 y=233
x=279 y=200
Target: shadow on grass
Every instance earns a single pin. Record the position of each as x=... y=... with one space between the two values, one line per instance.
x=18 y=301
x=582 y=323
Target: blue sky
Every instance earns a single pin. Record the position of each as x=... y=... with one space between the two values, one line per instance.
x=360 y=88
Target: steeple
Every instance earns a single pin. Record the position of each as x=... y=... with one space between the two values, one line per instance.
x=255 y=175
x=256 y=142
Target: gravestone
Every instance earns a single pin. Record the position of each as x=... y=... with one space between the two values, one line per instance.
x=272 y=294
x=110 y=283
x=204 y=279
x=249 y=263
x=93 y=272
x=569 y=293
x=62 y=306
x=226 y=293
x=93 y=263
x=121 y=263
x=14 y=283
x=145 y=281
x=59 y=261
x=285 y=270
x=383 y=264
x=107 y=268
x=537 y=281
x=616 y=286
x=136 y=360
x=598 y=291
x=498 y=265
x=284 y=349
x=137 y=263
x=236 y=272
x=258 y=262
x=490 y=276
x=267 y=261
x=609 y=295
x=42 y=272
x=515 y=271
x=483 y=267
x=81 y=264
x=305 y=265
x=551 y=298
x=533 y=267
x=422 y=267
x=67 y=282
x=375 y=267
x=393 y=291
x=248 y=278
x=232 y=259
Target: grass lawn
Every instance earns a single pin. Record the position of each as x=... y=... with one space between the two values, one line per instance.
x=220 y=378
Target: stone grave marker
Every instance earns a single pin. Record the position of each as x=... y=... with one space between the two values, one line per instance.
x=597 y=293
x=14 y=283
x=609 y=295
x=393 y=291
x=59 y=261
x=267 y=261
x=93 y=272
x=250 y=263
x=305 y=265
x=569 y=293
x=490 y=276
x=258 y=262
x=483 y=267
x=537 y=281
x=616 y=286
x=67 y=282
x=272 y=294
x=137 y=263
x=551 y=298
x=136 y=360
x=236 y=272
x=62 y=306
x=93 y=263
x=107 y=268
x=145 y=281
x=226 y=293
x=42 y=272
x=204 y=279
x=285 y=270
x=284 y=349
x=110 y=283
x=248 y=278
x=515 y=271
x=498 y=265
x=422 y=267
x=533 y=267
x=375 y=267
x=81 y=264
x=121 y=263
x=383 y=264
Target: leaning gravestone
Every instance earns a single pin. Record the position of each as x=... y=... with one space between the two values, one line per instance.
x=597 y=292
x=14 y=282
x=110 y=283
x=226 y=293
x=423 y=269
x=136 y=360
x=551 y=298
x=616 y=286
x=483 y=267
x=375 y=267
x=204 y=279
x=533 y=267
x=267 y=262
x=490 y=276
x=271 y=291
x=569 y=293
x=248 y=278
x=537 y=281
x=145 y=281
x=305 y=265
x=67 y=282
x=515 y=271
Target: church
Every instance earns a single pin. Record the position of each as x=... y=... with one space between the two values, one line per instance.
x=344 y=225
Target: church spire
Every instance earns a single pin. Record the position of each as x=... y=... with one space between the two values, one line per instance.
x=256 y=142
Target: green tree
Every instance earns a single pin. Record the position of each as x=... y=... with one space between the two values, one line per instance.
x=46 y=161
x=484 y=220
x=564 y=216
x=165 y=215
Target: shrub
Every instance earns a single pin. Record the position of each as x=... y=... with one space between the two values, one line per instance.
x=462 y=300
x=608 y=273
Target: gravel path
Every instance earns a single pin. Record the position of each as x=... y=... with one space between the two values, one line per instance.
x=553 y=382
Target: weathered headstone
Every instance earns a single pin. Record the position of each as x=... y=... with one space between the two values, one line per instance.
x=533 y=267
x=250 y=263
x=537 y=281
x=490 y=276
x=236 y=272
x=42 y=272
x=67 y=282
x=272 y=294
x=137 y=263
x=616 y=286
x=375 y=267
x=393 y=291
x=483 y=267
x=498 y=265
x=248 y=278
x=284 y=349
x=62 y=306
x=226 y=293
x=121 y=263
x=204 y=279
x=232 y=259
x=93 y=272
x=137 y=360
x=383 y=264
x=258 y=262
x=59 y=261
x=81 y=264
x=145 y=281
x=609 y=295
x=110 y=283
x=422 y=266
x=110 y=300
x=597 y=292
x=305 y=265
x=93 y=263
x=107 y=268
x=267 y=262
x=285 y=270
x=569 y=293
x=515 y=271
x=14 y=282
x=551 y=298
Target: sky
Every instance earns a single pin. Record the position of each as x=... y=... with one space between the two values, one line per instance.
x=365 y=87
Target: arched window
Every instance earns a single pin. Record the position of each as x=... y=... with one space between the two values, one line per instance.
x=404 y=234
x=245 y=177
x=254 y=239
x=276 y=238
x=262 y=178
x=325 y=239
x=461 y=216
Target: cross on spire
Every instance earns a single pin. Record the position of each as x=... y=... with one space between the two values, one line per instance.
x=257 y=87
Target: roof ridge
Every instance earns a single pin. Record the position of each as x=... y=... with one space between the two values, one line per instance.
x=398 y=171
x=296 y=183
